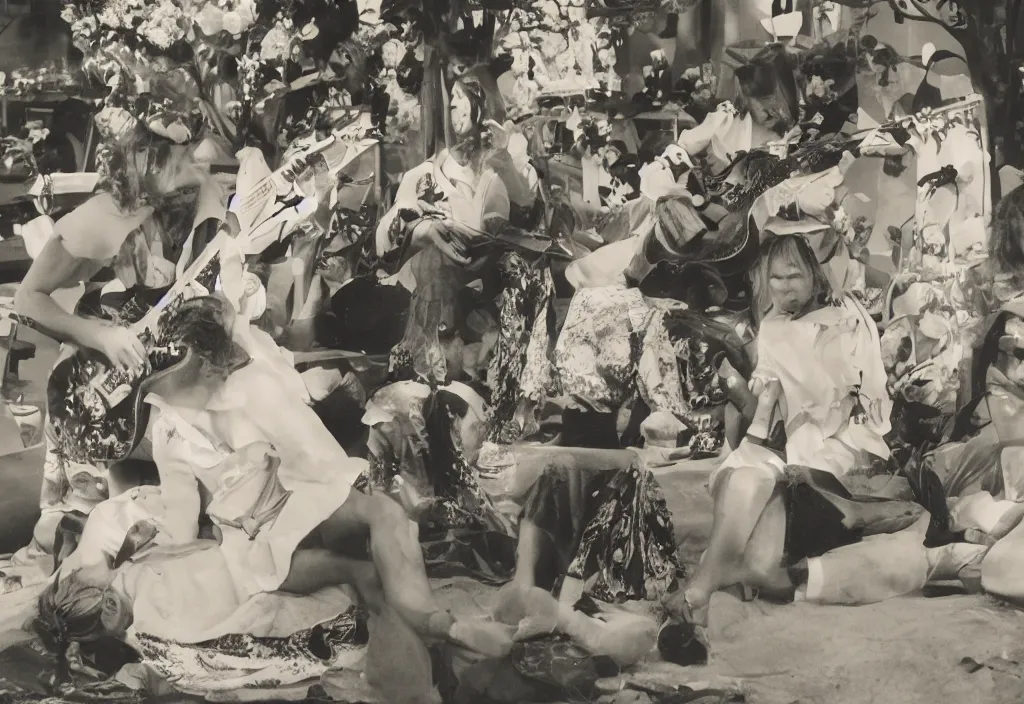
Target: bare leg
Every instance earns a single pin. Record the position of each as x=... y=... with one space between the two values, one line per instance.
x=740 y=498
x=511 y=604
x=314 y=569
x=726 y=26
x=726 y=30
x=690 y=51
x=394 y=549
x=397 y=555
x=763 y=558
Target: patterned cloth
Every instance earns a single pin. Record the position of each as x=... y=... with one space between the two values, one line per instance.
x=617 y=345
x=520 y=370
x=417 y=435
x=600 y=344
x=237 y=662
x=612 y=525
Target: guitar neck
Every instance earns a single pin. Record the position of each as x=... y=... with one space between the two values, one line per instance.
x=264 y=188
x=208 y=254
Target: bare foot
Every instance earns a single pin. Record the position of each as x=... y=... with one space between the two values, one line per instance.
x=541 y=615
x=688 y=606
x=482 y=637
x=510 y=607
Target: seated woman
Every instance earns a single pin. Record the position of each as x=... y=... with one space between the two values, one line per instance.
x=437 y=234
x=231 y=436
x=423 y=447
x=593 y=524
x=819 y=375
x=619 y=342
x=157 y=210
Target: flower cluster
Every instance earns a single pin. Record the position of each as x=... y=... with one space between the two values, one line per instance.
x=230 y=17
x=46 y=79
x=161 y=23
x=22 y=151
x=590 y=134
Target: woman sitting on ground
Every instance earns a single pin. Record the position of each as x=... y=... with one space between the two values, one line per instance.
x=820 y=377
x=282 y=503
x=1000 y=278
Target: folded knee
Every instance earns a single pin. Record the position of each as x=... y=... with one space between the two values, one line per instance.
x=1002 y=573
x=748 y=479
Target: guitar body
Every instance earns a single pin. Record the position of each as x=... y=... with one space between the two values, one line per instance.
x=82 y=435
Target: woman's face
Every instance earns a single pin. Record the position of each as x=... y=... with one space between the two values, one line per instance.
x=791 y=285
x=175 y=174
x=116 y=608
x=461 y=112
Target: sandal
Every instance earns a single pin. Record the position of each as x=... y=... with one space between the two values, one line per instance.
x=680 y=639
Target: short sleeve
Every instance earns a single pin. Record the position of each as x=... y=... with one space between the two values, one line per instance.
x=97 y=228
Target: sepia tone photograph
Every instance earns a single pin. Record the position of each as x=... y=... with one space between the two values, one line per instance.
x=511 y=351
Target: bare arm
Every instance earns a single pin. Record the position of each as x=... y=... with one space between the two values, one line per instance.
x=55 y=268
x=179 y=488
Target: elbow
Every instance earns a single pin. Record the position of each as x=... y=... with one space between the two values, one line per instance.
x=23 y=301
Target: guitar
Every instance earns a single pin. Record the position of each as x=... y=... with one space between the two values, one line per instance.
x=98 y=413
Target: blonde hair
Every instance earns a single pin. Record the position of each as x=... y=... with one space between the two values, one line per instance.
x=133 y=166
x=792 y=249
x=1008 y=234
x=69 y=610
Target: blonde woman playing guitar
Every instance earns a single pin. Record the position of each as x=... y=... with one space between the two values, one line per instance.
x=148 y=249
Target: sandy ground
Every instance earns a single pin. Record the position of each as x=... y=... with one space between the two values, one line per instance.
x=903 y=651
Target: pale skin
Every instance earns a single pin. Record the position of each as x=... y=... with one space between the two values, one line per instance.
x=55 y=268
x=395 y=572
x=747 y=540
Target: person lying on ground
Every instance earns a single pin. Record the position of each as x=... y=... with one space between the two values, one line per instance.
x=594 y=523
x=275 y=483
x=820 y=378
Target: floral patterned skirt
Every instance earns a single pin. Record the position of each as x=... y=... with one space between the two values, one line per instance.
x=611 y=528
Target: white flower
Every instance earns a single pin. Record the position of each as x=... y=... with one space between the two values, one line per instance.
x=934 y=326
x=841 y=222
x=819 y=87
x=233 y=23
x=392 y=53
x=551 y=10
x=275 y=45
x=892 y=340
x=210 y=19
x=932 y=234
